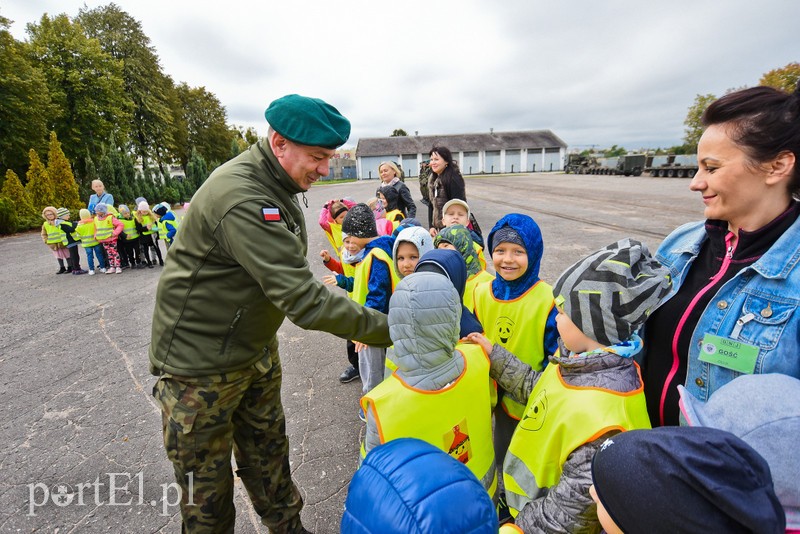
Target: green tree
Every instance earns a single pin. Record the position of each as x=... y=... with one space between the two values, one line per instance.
x=39 y=187
x=58 y=169
x=399 y=132
x=121 y=36
x=785 y=78
x=86 y=86
x=15 y=192
x=693 y=122
x=207 y=131
x=196 y=171
x=615 y=151
x=24 y=103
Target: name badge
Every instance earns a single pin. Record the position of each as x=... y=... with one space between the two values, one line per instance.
x=730 y=354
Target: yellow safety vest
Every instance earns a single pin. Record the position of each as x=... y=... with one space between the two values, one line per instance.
x=334 y=236
x=85 y=231
x=517 y=325
x=456 y=419
x=558 y=419
x=481 y=257
x=129 y=227
x=395 y=216
x=362 y=270
x=472 y=282
x=103 y=229
x=146 y=219
x=54 y=234
x=163 y=230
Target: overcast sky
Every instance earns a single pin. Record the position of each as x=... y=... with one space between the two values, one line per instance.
x=594 y=72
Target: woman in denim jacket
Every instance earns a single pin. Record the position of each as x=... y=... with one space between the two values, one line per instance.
x=736 y=275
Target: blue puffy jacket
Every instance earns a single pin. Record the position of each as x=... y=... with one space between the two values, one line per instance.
x=408 y=486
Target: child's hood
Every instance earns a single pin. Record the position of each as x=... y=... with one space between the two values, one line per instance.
x=451 y=262
x=531 y=236
x=417 y=236
x=424 y=315
x=391 y=195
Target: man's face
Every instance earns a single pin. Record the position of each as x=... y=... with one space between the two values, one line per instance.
x=304 y=164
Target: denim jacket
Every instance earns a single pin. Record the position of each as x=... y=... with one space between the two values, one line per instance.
x=770 y=285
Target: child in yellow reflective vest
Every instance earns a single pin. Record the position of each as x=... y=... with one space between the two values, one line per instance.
x=91 y=247
x=330 y=220
x=372 y=283
x=516 y=310
x=591 y=390
x=456 y=211
x=441 y=391
x=457 y=237
x=148 y=228
x=107 y=229
x=69 y=227
x=54 y=237
x=129 y=240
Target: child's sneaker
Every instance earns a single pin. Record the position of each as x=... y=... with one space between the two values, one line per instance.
x=91 y=272
x=79 y=271
x=102 y=269
x=118 y=271
x=110 y=270
x=362 y=415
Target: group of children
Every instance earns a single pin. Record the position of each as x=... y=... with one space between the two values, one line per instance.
x=526 y=384
x=115 y=238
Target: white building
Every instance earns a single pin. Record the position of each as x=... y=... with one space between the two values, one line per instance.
x=493 y=152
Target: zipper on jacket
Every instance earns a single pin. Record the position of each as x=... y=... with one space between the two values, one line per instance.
x=231 y=329
x=726 y=261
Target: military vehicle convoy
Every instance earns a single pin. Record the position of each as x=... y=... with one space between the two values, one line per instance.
x=664 y=166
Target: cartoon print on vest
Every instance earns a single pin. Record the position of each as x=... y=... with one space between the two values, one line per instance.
x=457 y=442
x=505 y=329
x=535 y=414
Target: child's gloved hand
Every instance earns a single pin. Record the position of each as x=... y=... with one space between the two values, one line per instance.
x=325 y=255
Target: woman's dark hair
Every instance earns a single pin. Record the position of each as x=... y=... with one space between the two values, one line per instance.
x=446 y=155
x=764 y=121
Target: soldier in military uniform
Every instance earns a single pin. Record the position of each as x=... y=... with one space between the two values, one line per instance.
x=238 y=270
x=424 y=174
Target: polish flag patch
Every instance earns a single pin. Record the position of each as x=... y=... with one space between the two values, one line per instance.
x=271 y=214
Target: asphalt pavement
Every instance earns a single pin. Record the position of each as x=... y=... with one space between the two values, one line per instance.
x=81 y=434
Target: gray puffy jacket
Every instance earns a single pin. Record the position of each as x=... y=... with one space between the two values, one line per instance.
x=424 y=316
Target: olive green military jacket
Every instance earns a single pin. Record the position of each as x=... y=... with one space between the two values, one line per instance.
x=235 y=271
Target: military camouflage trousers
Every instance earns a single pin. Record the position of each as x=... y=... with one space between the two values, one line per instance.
x=204 y=419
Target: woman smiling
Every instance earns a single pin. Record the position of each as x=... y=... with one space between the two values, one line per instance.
x=736 y=275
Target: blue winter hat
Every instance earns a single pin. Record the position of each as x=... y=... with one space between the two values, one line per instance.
x=308 y=121
x=408 y=485
x=101 y=208
x=685 y=479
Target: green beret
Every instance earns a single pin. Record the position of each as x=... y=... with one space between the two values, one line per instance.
x=308 y=121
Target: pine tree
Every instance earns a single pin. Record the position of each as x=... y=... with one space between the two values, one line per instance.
x=60 y=171
x=39 y=187
x=15 y=192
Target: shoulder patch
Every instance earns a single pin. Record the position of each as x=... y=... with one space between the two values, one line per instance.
x=271 y=214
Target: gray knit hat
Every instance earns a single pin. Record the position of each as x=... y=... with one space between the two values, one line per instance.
x=360 y=222
x=611 y=292
x=506 y=234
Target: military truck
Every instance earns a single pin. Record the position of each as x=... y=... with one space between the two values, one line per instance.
x=579 y=164
x=673 y=166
